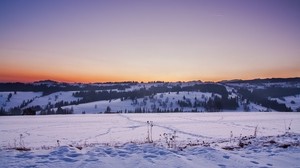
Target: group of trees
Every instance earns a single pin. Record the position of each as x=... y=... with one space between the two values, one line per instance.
x=19 y=111
x=261 y=97
x=56 y=87
x=213 y=104
x=58 y=110
x=219 y=101
x=33 y=109
x=11 y=111
x=93 y=95
x=146 y=110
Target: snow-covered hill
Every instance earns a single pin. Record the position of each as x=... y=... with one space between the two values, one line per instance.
x=47 y=97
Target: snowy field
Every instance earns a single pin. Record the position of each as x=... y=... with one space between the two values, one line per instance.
x=179 y=140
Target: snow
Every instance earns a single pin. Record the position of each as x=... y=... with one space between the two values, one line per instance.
x=16 y=99
x=117 y=105
x=167 y=101
x=54 y=98
x=291 y=101
x=256 y=107
x=36 y=97
x=119 y=140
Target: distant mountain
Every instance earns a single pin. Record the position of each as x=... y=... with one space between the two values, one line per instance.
x=46 y=82
x=267 y=80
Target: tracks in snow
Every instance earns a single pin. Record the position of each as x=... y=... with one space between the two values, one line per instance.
x=166 y=127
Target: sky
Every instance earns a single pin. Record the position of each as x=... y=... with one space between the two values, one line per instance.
x=139 y=40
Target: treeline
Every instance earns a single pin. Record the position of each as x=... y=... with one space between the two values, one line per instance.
x=208 y=88
x=261 y=97
x=216 y=103
x=48 y=89
x=32 y=111
x=59 y=110
x=19 y=111
x=93 y=95
x=276 y=92
x=267 y=80
x=213 y=104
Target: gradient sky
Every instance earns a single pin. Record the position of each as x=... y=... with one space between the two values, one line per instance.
x=170 y=40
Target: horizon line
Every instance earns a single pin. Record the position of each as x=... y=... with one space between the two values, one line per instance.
x=151 y=81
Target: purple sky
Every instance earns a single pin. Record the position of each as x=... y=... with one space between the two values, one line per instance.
x=171 y=40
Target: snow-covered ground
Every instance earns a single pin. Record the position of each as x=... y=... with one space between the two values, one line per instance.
x=169 y=99
x=54 y=98
x=120 y=140
x=33 y=99
x=291 y=101
x=17 y=98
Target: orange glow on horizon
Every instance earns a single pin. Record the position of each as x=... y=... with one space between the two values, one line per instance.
x=32 y=76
